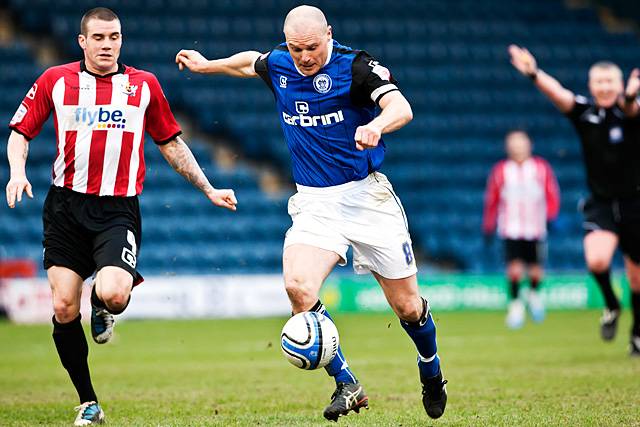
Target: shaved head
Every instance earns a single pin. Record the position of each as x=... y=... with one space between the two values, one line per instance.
x=304 y=20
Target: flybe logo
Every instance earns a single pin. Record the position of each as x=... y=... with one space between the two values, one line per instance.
x=100 y=118
x=304 y=120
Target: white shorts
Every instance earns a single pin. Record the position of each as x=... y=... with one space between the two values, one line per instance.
x=365 y=214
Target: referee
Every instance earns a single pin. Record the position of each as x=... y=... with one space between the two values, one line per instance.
x=609 y=129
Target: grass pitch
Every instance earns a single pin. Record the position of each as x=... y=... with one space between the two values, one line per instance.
x=231 y=373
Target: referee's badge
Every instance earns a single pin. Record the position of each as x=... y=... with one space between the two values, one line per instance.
x=615 y=135
x=322 y=83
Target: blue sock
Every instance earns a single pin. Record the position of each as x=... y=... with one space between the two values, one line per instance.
x=423 y=334
x=338 y=367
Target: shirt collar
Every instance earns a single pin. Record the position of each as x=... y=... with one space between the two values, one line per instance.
x=84 y=69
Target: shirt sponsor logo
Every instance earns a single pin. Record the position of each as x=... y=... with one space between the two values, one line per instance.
x=100 y=118
x=19 y=115
x=302 y=119
x=322 y=83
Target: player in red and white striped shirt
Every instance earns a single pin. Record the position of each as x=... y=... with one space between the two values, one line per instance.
x=522 y=196
x=101 y=111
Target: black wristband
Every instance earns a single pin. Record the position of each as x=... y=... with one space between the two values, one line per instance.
x=628 y=99
x=533 y=76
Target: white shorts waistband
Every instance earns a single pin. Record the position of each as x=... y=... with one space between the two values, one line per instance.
x=337 y=189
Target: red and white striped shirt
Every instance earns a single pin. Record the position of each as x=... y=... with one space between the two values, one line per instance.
x=100 y=123
x=521 y=197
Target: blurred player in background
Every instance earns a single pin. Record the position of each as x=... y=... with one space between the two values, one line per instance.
x=326 y=96
x=609 y=129
x=91 y=215
x=522 y=196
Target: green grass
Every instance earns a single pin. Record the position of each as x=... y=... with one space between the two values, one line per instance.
x=231 y=372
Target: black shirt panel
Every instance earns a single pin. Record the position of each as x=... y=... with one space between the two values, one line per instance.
x=369 y=78
x=611 y=148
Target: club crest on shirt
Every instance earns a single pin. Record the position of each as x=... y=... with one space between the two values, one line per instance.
x=129 y=89
x=322 y=83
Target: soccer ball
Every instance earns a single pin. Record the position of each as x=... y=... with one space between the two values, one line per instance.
x=309 y=340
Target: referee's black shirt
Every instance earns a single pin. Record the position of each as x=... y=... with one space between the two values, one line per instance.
x=611 y=149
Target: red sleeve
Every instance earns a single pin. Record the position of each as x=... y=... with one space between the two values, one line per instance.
x=492 y=199
x=35 y=108
x=551 y=191
x=160 y=122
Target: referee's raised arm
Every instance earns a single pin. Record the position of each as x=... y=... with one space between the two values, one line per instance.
x=238 y=65
x=523 y=61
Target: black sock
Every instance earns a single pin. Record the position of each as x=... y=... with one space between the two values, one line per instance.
x=635 y=307
x=98 y=303
x=73 y=351
x=604 y=282
x=514 y=288
x=535 y=283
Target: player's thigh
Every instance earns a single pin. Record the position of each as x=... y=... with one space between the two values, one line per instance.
x=378 y=231
x=66 y=242
x=403 y=296
x=66 y=292
x=115 y=253
x=305 y=268
x=599 y=247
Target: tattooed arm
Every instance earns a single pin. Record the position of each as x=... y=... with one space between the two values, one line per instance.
x=17 y=151
x=178 y=155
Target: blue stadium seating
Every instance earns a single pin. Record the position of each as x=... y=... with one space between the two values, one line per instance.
x=452 y=64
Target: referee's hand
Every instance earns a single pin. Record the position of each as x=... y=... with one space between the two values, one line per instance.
x=15 y=188
x=633 y=84
x=223 y=198
x=523 y=60
x=367 y=136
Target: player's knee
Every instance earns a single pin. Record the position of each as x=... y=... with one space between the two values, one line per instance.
x=299 y=292
x=409 y=311
x=598 y=264
x=515 y=272
x=634 y=280
x=65 y=309
x=116 y=298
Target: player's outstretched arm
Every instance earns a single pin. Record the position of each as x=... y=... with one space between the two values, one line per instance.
x=17 y=151
x=396 y=112
x=523 y=61
x=629 y=103
x=238 y=65
x=179 y=156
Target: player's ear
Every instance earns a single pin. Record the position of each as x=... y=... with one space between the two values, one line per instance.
x=82 y=41
x=329 y=31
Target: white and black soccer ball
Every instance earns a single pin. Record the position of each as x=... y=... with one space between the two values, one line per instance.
x=309 y=340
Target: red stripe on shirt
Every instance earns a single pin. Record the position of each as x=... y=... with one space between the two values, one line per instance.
x=71 y=89
x=124 y=163
x=69 y=157
x=103 y=91
x=96 y=161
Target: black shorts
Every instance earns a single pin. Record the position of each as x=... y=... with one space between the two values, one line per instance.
x=85 y=233
x=620 y=216
x=527 y=251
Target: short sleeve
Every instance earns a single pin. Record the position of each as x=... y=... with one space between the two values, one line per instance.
x=580 y=105
x=261 y=67
x=35 y=108
x=160 y=122
x=370 y=80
